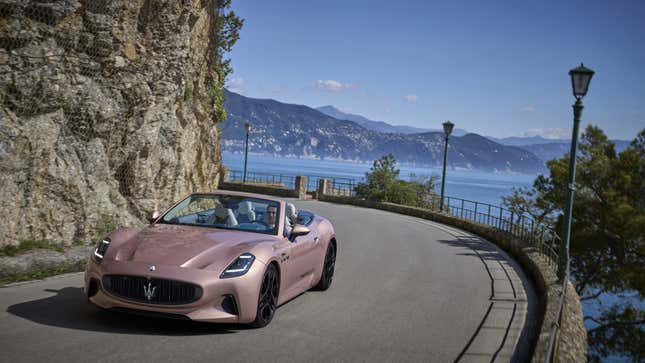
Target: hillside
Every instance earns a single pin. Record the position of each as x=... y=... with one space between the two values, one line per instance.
x=379 y=126
x=554 y=150
x=299 y=131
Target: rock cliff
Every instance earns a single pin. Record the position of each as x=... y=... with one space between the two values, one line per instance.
x=106 y=112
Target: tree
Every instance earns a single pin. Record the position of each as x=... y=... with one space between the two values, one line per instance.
x=608 y=235
x=226 y=33
x=382 y=184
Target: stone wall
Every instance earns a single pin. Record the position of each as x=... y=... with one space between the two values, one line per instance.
x=106 y=112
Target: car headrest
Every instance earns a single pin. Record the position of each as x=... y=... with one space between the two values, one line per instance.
x=225 y=214
x=221 y=212
x=245 y=207
x=291 y=212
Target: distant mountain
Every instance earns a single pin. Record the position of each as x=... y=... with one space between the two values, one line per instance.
x=379 y=126
x=554 y=150
x=299 y=131
x=531 y=140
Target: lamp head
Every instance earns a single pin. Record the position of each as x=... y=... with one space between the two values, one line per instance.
x=580 y=78
x=447 y=128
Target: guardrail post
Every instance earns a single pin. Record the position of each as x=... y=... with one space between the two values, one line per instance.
x=301 y=187
x=476 y=212
x=462 y=208
x=323 y=187
x=510 y=227
x=488 y=221
x=501 y=215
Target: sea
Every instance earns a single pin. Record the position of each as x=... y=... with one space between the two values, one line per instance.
x=467 y=184
x=472 y=185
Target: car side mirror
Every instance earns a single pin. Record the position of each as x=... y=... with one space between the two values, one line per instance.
x=154 y=216
x=299 y=230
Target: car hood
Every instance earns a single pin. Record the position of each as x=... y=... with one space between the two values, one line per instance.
x=187 y=246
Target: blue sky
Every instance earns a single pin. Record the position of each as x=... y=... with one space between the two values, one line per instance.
x=497 y=68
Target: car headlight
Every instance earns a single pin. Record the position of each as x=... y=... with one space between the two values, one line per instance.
x=239 y=267
x=101 y=249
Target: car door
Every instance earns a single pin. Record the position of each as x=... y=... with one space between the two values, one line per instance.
x=303 y=258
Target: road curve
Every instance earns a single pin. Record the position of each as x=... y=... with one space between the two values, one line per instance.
x=405 y=289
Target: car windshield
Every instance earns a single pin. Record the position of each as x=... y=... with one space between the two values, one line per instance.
x=226 y=211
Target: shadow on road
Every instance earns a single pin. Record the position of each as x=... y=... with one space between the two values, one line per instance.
x=486 y=251
x=69 y=309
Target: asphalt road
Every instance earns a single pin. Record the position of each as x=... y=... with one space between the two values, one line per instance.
x=405 y=289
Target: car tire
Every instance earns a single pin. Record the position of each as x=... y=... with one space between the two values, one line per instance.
x=268 y=297
x=328 y=268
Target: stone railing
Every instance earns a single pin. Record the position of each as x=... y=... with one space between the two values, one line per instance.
x=571 y=340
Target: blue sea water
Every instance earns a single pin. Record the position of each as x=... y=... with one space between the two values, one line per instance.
x=466 y=184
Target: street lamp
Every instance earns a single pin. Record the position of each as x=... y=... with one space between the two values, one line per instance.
x=580 y=78
x=447 y=129
x=247 y=127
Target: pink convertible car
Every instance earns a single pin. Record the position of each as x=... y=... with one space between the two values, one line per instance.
x=216 y=257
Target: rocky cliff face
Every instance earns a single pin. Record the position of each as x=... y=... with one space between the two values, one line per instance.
x=105 y=113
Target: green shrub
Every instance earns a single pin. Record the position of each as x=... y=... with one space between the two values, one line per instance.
x=382 y=184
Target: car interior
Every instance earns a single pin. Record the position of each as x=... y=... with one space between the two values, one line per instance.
x=247 y=214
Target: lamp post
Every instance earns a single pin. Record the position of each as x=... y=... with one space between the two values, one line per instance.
x=580 y=78
x=247 y=126
x=447 y=129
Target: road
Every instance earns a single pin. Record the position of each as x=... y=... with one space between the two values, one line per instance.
x=405 y=289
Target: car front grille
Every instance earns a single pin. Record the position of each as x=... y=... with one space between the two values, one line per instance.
x=152 y=290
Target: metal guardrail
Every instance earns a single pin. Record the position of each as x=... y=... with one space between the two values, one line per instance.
x=519 y=225
x=288 y=181
x=283 y=180
x=342 y=188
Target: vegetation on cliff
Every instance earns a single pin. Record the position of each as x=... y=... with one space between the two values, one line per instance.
x=227 y=33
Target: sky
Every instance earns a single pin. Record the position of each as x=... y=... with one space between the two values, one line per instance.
x=497 y=68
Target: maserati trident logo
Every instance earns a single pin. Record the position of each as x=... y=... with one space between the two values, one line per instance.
x=149 y=291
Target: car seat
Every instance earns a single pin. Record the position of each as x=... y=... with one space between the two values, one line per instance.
x=245 y=212
x=224 y=216
x=291 y=218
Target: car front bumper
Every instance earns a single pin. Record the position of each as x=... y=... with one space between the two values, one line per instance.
x=244 y=290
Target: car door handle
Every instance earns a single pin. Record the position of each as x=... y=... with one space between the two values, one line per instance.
x=316 y=239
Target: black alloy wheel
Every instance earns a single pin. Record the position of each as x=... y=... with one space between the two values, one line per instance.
x=268 y=300
x=328 y=268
